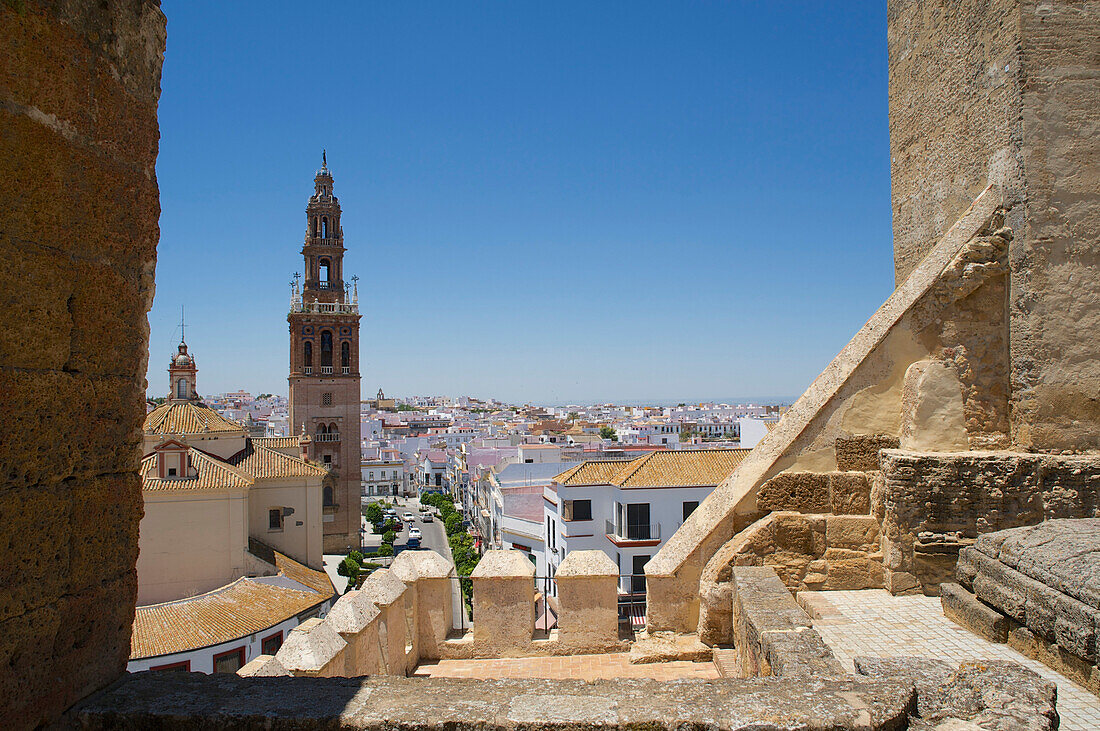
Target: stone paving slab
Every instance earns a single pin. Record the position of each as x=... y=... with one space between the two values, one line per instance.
x=576 y=667
x=875 y=624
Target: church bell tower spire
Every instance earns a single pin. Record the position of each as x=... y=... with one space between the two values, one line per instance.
x=324 y=364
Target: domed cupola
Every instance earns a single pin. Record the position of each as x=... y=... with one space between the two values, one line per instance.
x=182 y=376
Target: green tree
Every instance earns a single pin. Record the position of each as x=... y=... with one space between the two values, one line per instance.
x=386 y=549
x=388 y=538
x=453 y=524
x=607 y=432
x=373 y=513
x=573 y=417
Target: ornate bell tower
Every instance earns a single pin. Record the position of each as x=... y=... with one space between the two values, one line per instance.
x=324 y=364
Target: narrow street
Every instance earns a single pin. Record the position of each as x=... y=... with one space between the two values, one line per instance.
x=434 y=538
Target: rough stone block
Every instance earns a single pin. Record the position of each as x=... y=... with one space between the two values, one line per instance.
x=313 y=649
x=850 y=493
x=804 y=492
x=800 y=652
x=964 y=609
x=861 y=453
x=853 y=532
x=795 y=533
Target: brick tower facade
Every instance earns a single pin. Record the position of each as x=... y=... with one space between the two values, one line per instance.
x=324 y=364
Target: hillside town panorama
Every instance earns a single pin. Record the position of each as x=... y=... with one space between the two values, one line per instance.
x=913 y=542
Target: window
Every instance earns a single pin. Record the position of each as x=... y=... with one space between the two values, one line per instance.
x=275 y=519
x=689 y=507
x=370 y=475
x=271 y=644
x=229 y=662
x=327 y=459
x=309 y=354
x=637 y=575
x=577 y=510
x=171 y=471
x=184 y=666
x=181 y=388
x=326 y=347
x=637 y=522
x=324 y=229
x=327 y=492
x=345 y=354
x=326 y=399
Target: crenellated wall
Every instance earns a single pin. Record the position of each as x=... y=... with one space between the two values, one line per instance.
x=402 y=616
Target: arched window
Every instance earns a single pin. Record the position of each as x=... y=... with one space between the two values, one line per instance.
x=326 y=348
x=323 y=270
x=327 y=495
x=181 y=388
x=322 y=429
x=324 y=226
x=333 y=429
x=309 y=354
x=345 y=354
x=316 y=225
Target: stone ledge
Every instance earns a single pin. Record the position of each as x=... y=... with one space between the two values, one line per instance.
x=194 y=701
x=964 y=609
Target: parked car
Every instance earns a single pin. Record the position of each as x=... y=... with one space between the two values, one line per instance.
x=414 y=534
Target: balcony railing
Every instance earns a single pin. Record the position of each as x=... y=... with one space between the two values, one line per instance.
x=322 y=241
x=337 y=308
x=345 y=370
x=326 y=370
x=327 y=437
x=633 y=532
x=308 y=370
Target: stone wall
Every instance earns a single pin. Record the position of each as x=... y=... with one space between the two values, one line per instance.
x=947 y=318
x=79 y=85
x=402 y=616
x=935 y=504
x=1008 y=92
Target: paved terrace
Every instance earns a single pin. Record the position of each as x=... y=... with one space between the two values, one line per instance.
x=873 y=623
x=575 y=667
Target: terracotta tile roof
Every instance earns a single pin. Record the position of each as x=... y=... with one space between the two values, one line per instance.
x=592 y=472
x=213 y=474
x=234 y=611
x=276 y=442
x=187 y=417
x=678 y=468
x=314 y=579
x=681 y=468
x=261 y=462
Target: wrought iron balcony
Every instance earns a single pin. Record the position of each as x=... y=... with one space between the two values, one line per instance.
x=632 y=532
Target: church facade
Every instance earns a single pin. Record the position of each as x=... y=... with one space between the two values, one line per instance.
x=324 y=365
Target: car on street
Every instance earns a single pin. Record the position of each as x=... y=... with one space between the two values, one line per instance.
x=414 y=534
x=427 y=518
x=408 y=517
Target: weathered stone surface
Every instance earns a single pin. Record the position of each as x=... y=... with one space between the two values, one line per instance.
x=994 y=694
x=313 y=649
x=936 y=504
x=1044 y=577
x=1010 y=105
x=800 y=652
x=79 y=85
x=860 y=453
x=964 y=609
x=804 y=492
x=849 y=493
x=764 y=704
x=933 y=413
x=263 y=666
x=669 y=647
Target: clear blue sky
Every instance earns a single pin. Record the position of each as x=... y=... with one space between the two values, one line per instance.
x=545 y=202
